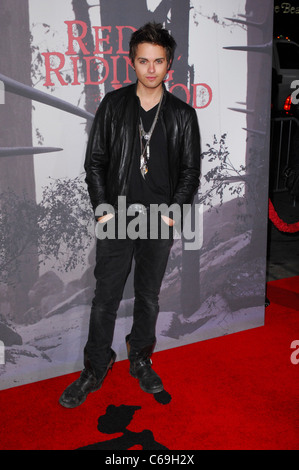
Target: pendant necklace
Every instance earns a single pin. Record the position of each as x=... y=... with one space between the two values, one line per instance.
x=145 y=149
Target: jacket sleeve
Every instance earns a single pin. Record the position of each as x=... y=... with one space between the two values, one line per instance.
x=97 y=155
x=189 y=172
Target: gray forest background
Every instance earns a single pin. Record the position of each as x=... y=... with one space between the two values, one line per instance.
x=216 y=290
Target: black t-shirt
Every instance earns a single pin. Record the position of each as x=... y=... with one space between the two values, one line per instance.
x=154 y=189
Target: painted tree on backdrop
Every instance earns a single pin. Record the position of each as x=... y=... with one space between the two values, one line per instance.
x=175 y=14
x=17 y=172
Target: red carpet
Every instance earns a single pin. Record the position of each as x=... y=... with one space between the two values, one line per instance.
x=235 y=392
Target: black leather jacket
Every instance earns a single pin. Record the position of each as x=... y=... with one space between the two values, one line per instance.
x=112 y=142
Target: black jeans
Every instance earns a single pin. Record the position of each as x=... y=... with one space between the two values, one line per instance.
x=113 y=265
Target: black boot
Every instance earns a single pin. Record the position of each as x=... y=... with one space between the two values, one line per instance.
x=141 y=368
x=76 y=393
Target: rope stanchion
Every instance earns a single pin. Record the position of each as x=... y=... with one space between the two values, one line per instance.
x=280 y=224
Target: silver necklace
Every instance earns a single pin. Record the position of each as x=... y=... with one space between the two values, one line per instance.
x=147 y=137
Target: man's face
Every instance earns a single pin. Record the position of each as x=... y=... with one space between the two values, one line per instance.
x=150 y=65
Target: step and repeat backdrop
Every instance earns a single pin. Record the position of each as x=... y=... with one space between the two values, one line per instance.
x=58 y=60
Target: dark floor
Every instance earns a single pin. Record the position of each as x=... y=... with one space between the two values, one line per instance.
x=283 y=248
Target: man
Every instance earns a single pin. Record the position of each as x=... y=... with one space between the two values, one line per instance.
x=144 y=145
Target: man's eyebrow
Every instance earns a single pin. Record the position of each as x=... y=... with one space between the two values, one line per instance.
x=157 y=58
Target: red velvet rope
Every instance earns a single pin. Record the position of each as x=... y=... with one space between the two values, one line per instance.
x=280 y=224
